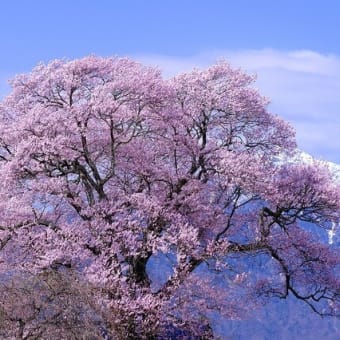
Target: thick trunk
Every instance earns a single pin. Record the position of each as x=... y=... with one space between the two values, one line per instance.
x=138 y=269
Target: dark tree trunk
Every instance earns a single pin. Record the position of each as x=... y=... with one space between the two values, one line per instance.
x=138 y=269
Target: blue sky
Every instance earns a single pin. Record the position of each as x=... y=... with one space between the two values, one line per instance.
x=293 y=46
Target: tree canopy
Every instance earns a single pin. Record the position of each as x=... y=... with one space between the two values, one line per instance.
x=106 y=167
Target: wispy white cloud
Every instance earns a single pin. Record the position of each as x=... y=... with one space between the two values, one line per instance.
x=304 y=87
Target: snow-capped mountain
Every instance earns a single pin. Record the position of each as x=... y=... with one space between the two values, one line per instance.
x=302 y=157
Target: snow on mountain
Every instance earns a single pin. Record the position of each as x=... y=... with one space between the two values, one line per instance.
x=302 y=157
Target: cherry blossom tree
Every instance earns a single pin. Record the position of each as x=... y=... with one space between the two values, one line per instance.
x=105 y=166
